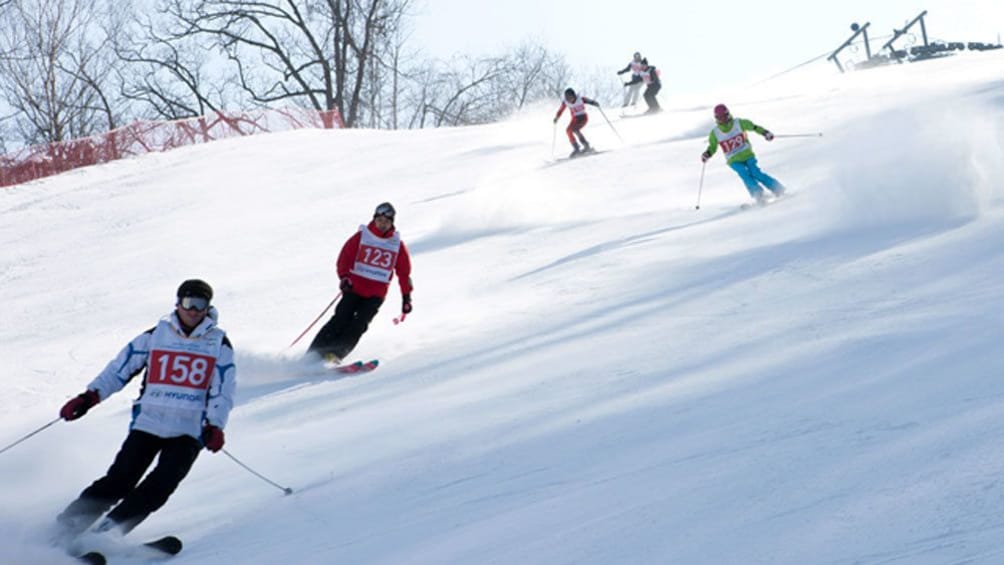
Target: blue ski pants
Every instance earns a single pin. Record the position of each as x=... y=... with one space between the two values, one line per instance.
x=752 y=177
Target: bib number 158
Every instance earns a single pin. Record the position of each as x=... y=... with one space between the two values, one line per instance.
x=189 y=370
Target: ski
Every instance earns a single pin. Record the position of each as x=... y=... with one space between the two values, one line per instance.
x=163 y=547
x=93 y=558
x=167 y=544
x=356 y=367
x=576 y=156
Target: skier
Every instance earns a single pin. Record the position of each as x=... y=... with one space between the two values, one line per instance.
x=185 y=398
x=650 y=76
x=730 y=134
x=366 y=265
x=633 y=88
x=577 y=108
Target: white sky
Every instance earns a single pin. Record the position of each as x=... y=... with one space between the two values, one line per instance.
x=698 y=45
x=595 y=372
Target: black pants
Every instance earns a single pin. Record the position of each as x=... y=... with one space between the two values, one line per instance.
x=177 y=454
x=650 y=93
x=351 y=320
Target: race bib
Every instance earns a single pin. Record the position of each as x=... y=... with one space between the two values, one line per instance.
x=733 y=145
x=188 y=370
x=376 y=257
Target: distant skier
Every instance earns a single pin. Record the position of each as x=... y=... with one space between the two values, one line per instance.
x=730 y=134
x=576 y=105
x=649 y=76
x=633 y=88
x=184 y=401
x=366 y=265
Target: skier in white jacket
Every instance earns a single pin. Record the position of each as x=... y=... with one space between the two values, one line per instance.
x=184 y=400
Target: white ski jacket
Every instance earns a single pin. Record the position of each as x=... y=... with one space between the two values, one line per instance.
x=189 y=380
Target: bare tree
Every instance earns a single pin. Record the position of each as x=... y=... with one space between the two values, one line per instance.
x=170 y=77
x=313 y=53
x=469 y=90
x=54 y=71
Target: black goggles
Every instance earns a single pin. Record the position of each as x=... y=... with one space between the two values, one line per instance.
x=196 y=303
x=385 y=211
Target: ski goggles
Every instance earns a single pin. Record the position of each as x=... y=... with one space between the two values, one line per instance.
x=385 y=211
x=196 y=303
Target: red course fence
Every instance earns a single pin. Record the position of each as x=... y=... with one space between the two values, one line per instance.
x=147 y=137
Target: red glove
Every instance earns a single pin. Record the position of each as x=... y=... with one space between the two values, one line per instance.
x=212 y=437
x=79 y=405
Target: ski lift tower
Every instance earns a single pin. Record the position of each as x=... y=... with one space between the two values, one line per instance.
x=897 y=33
x=858 y=30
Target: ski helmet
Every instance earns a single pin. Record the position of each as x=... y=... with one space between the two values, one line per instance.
x=386 y=210
x=569 y=93
x=637 y=56
x=722 y=113
x=195 y=287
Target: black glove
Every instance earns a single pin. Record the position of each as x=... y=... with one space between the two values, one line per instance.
x=705 y=156
x=345 y=284
x=406 y=304
x=79 y=405
x=768 y=135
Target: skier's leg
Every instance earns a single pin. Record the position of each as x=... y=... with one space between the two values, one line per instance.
x=327 y=338
x=581 y=122
x=177 y=455
x=655 y=88
x=751 y=184
x=366 y=309
x=627 y=95
x=635 y=92
x=570 y=132
x=649 y=99
x=132 y=460
x=767 y=180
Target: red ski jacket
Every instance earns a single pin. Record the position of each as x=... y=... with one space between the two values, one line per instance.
x=368 y=287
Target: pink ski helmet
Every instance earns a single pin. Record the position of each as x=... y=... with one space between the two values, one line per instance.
x=722 y=113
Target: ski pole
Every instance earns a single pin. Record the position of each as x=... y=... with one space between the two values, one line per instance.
x=817 y=134
x=700 y=187
x=399 y=320
x=604 y=114
x=286 y=490
x=326 y=308
x=31 y=434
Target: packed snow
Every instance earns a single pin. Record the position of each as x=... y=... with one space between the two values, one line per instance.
x=595 y=371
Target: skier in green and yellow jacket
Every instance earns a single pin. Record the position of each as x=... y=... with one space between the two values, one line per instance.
x=730 y=134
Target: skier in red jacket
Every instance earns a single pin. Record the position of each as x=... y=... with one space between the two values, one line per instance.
x=366 y=266
x=577 y=107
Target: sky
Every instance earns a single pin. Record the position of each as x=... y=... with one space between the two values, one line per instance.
x=698 y=45
x=596 y=370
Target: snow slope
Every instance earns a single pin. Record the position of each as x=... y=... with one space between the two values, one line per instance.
x=595 y=372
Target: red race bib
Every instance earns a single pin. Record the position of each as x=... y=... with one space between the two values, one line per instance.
x=189 y=370
x=376 y=257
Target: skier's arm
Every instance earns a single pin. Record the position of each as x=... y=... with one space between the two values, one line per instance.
x=748 y=125
x=625 y=69
x=403 y=270
x=560 y=110
x=712 y=144
x=222 y=387
x=635 y=79
x=347 y=256
x=590 y=101
x=129 y=362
